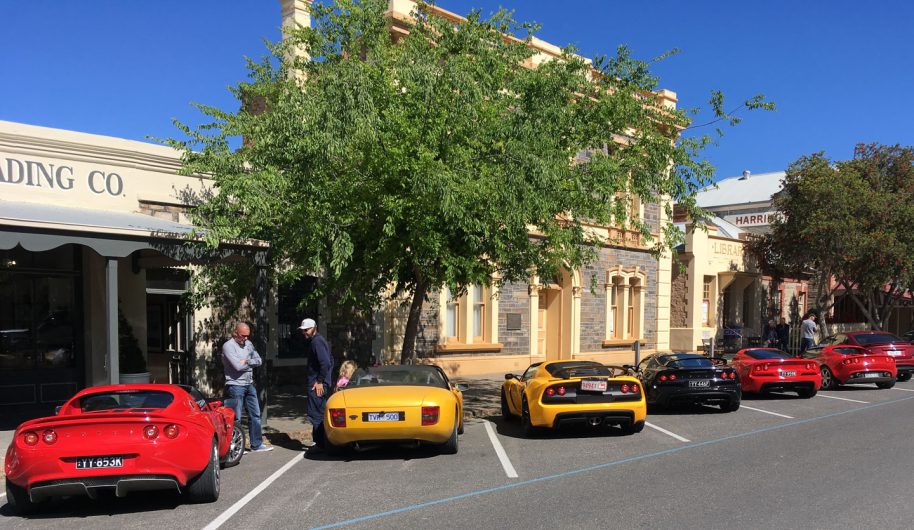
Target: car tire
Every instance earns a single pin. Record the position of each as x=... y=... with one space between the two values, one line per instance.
x=460 y=425
x=450 y=447
x=885 y=386
x=828 y=380
x=806 y=393
x=732 y=406
x=632 y=428
x=205 y=486
x=529 y=429
x=904 y=377
x=236 y=447
x=18 y=498
x=505 y=409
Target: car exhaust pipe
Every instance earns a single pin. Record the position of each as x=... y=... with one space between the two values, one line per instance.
x=594 y=421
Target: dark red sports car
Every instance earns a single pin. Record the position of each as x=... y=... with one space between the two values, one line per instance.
x=770 y=369
x=880 y=342
x=124 y=438
x=852 y=365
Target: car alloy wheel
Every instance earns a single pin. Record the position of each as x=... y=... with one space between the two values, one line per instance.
x=216 y=469
x=828 y=380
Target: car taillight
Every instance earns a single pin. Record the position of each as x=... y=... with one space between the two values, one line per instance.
x=635 y=389
x=625 y=388
x=150 y=432
x=663 y=378
x=550 y=392
x=171 y=431
x=30 y=438
x=732 y=375
x=809 y=366
x=672 y=377
x=561 y=390
x=49 y=437
x=338 y=417
x=766 y=366
x=430 y=415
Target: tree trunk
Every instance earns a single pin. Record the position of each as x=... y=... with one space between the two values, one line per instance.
x=408 y=354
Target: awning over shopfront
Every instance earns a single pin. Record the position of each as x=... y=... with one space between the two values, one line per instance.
x=40 y=227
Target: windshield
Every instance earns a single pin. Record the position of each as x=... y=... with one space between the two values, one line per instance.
x=137 y=399
x=398 y=375
x=876 y=338
x=578 y=369
x=690 y=362
x=767 y=354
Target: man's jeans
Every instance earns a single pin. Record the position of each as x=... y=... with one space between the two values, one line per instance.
x=316 y=407
x=248 y=395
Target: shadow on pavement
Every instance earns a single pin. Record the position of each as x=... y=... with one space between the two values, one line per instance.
x=375 y=453
x=106 y=504
x=513 y=429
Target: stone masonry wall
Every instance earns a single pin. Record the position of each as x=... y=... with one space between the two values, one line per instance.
x=514 y=298
x=679 y=299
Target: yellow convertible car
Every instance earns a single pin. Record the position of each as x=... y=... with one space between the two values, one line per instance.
x=395 y=405
x=556 y=393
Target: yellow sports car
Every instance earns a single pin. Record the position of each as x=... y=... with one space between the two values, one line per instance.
x=556 y=393
x=395 y=405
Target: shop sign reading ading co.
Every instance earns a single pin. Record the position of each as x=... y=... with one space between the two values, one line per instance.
x=37 y=174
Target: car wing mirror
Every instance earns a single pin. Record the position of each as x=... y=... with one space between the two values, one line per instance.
x=463 y=387
x=509 y=377
x=57 y=410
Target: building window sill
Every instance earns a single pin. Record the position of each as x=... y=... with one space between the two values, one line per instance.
x=469 y=348
x=621 y=342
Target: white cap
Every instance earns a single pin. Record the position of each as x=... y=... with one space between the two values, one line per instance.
x=307 y=323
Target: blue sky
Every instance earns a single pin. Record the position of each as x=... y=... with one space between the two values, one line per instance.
x=840 y=72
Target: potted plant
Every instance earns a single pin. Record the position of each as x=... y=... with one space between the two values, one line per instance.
x=131 y=359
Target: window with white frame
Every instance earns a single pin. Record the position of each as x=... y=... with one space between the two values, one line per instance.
x=451 y=316
x=469 y=318
x=624 y=305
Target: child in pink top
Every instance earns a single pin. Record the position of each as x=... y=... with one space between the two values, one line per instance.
x=346 y=370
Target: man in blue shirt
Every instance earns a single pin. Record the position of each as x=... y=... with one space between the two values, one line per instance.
x=239 y=359
x=320 y=365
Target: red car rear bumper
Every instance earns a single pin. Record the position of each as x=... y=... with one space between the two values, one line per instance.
x=754 y=383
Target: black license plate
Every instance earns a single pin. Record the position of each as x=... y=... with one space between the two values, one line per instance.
x=99 y=462
x=383 y=416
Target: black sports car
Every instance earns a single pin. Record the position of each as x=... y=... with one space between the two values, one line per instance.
x=674 y=378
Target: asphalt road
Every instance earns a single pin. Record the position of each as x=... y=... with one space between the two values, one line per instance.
x=839 y=460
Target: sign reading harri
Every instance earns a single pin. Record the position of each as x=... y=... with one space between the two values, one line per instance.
x=58 y=176
x=751 y=219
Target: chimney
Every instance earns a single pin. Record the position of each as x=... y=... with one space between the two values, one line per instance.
x=746 y=174
x=295 y=13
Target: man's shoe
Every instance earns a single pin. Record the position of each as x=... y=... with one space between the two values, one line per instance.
x=261 y=449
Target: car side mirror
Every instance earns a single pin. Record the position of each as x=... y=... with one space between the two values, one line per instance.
x=57 y=410
x=509 y=377
x=463 y=387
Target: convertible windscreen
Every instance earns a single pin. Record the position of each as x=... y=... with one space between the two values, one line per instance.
x=767 y=354
x=139 y=399
x=398 y=375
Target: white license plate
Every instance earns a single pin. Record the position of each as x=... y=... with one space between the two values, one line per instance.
x=788 y=374
x=872 y=374
x=593 y=385
x=98 y=462
x=700 y=383
x=383 y=416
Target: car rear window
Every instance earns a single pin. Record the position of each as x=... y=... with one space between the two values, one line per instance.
x=133 y=399
x=691 y=362
x=577 y=369
x=767 y=354
x=848 y=351
x=876 y=338
x=398 y=375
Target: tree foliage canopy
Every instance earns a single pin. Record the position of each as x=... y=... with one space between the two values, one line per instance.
x=426 y=159
x=848 y=222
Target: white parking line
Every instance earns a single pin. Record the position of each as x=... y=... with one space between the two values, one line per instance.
x=666 y=432
x=227 y=514
x=500 y=451
x=903 y=389
x=841 y=398
x=766 y=412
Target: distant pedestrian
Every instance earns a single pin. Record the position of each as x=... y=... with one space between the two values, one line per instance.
x=770 y=334
x=809 y=329
x=239 y=359
x=320 y=366
x=346 y=370
x=783 y=331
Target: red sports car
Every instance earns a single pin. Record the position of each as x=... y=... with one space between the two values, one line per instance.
x=125 y=438
x=852 y=365
x=880 y=342
x=770 y=369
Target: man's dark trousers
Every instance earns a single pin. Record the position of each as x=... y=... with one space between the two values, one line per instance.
x=316 y=407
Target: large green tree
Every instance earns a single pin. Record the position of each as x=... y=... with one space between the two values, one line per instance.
x=429 y=159
x=848 y=224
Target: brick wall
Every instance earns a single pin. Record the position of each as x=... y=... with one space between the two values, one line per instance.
x=160 y=210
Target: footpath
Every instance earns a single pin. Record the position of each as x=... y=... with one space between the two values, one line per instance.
x=287 y=425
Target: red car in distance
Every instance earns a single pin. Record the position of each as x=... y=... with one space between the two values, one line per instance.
x=124 y=438
x=844 y=364
x=880 y=342
x=772 y=370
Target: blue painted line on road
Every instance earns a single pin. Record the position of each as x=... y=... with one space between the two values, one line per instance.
x=598 y=467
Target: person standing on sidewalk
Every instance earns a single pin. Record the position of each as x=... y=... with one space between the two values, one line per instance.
x=810 y=328
x=239 y=359
x=320 y=366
